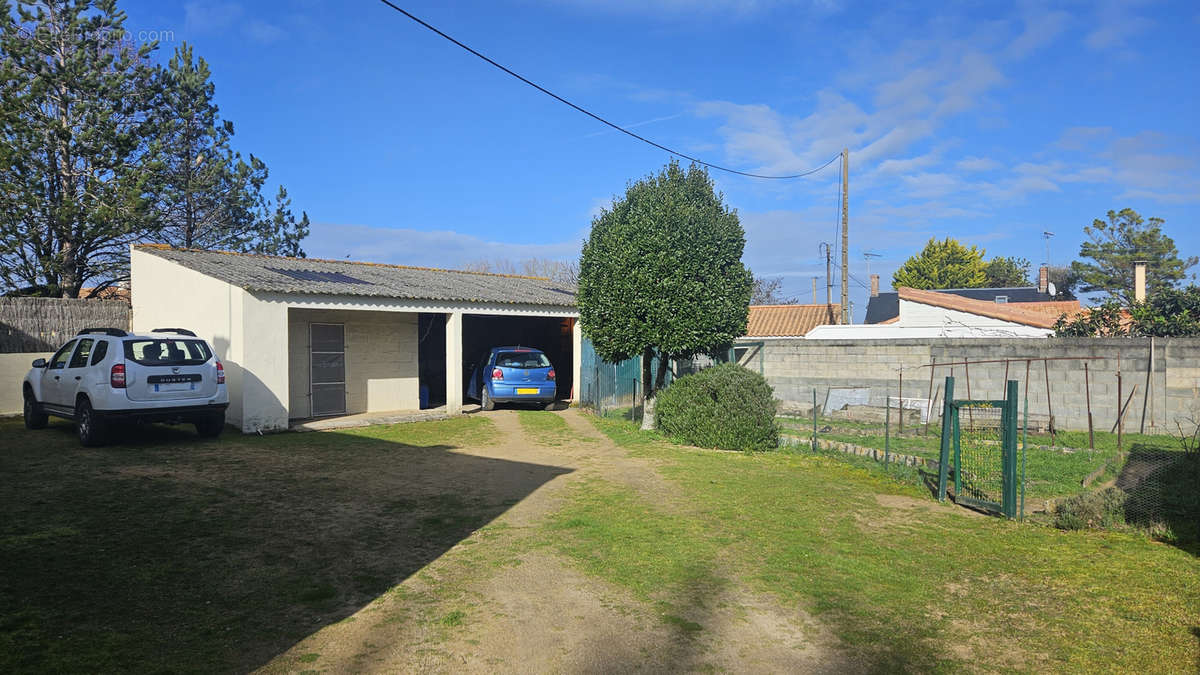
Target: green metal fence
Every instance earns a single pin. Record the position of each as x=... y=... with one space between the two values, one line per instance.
x=979 y=448
x=616 y=388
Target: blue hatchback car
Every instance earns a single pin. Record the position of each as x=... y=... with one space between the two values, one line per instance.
x=511 y=375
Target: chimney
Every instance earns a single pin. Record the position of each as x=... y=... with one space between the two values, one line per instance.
x=1043 y=279
x=874 y=285
x=1139 y=280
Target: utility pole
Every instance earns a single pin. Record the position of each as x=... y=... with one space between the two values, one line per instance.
x=828 y=272
x=845 y=235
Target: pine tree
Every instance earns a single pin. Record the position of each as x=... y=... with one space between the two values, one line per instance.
x=209 y=197
x=77 y=150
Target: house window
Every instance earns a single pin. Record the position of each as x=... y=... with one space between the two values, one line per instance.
x=1001 y=298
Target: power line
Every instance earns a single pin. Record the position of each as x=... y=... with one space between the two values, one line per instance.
x=599 y=118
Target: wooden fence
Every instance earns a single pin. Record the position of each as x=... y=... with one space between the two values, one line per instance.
x=44 y=324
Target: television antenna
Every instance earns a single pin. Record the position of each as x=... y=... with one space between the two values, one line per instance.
x=1047 y=236
x=867 y=255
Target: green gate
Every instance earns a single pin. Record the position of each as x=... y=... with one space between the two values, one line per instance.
x=979 y=448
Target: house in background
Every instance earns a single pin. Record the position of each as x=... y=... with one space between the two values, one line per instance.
x=303 y=338
x=783 y=321
x=933 y=314
x=885 y=307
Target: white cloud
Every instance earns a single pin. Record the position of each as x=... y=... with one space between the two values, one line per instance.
x=204 y=16
x=1116 y=25
x=1040 y=30
x=970 y=164
x=436 y=248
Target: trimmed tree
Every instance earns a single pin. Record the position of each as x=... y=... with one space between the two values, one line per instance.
x=661 y=273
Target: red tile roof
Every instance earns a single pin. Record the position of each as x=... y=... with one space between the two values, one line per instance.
x=789 y=320
x=1036 y=314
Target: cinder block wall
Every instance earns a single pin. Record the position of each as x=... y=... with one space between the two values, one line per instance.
x=381 y=360
x=795 y=367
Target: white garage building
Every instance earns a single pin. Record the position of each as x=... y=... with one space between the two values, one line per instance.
x=302 y=338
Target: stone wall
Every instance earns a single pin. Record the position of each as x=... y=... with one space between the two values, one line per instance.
x=795 y=367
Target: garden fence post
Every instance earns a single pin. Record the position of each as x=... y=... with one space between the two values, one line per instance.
x=887 y=431
x=947 y=432
x=814 y=435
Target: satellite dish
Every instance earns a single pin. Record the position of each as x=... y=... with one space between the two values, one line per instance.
x=1050 y=287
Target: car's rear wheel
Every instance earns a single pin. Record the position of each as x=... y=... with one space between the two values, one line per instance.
x=485 y=400
x=34 y=417
x=211 y=426
x=90 y=425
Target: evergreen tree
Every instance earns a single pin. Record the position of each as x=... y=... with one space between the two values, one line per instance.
x=1114 y=245
x=209 y=196
x=943 y=264
x=661 y=273
x=77 y=144
x=278 y=232
x=1005 y=272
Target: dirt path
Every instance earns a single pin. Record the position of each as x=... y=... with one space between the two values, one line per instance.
x=491 y=605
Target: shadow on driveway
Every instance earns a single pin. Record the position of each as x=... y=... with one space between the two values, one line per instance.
x=169 y=553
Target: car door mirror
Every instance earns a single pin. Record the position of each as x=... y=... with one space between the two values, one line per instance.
x=39 y=363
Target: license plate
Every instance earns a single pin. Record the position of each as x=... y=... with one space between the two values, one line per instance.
x=527 y=391
x=176 y=386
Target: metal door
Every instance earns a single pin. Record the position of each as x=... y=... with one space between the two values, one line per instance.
x=327 y=369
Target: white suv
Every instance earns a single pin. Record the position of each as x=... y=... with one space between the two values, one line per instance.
x=106 y=374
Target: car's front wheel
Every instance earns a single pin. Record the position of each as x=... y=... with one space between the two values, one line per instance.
x=485 y=400
x=34 y=417
x=211 y=426
x=89 y=424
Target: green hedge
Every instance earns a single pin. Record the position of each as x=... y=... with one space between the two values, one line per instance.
x=726 y=407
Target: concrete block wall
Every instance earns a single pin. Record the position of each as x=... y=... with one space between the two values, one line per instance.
x=381 y=360
x=795 y=367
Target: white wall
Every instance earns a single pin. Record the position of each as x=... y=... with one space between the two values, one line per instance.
x=918 y=314
x=166 y=295
x=381 y=360
x=13 y=368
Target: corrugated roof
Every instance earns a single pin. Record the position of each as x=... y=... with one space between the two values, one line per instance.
x=788 y=320
x=1042 y=315
x=312 y=276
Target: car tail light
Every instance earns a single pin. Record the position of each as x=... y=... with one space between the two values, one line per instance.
x=497 y=374
x=116 y=376
x=550 y=375
x=220 y=373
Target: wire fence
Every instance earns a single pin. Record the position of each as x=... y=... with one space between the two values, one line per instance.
x=1158 y=473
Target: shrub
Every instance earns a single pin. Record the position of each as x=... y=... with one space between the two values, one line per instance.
x=726 y=407
x=1101 y=509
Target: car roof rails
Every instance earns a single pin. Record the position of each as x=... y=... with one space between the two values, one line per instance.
x=180 y=331
x=115 y=332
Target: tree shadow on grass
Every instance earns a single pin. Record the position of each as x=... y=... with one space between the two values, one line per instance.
x=166 y=552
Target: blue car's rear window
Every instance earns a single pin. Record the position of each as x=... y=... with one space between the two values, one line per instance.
x=522 y=360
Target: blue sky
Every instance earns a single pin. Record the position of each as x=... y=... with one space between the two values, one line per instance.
x=984 y=121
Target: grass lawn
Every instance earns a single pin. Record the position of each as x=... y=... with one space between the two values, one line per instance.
x=166 y=552
x=1050 y=473
x=169 y=553
x=913 y=585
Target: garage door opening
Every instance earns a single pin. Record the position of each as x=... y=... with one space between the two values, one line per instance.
x=549 y=334
x=480 y=333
